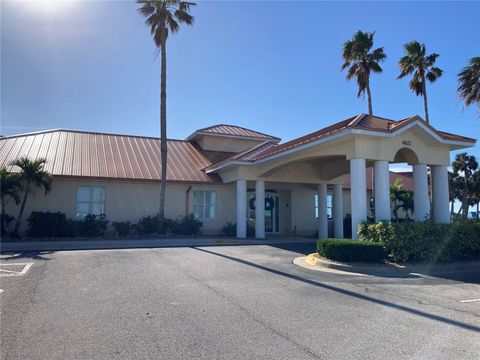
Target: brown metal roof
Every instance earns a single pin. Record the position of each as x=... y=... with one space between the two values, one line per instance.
x=362 y=122
x=232 y=131
x=109 y=156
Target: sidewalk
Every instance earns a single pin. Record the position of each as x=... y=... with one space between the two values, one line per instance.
x=75 y=244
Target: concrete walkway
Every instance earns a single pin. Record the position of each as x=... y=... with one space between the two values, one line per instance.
x=77 y=244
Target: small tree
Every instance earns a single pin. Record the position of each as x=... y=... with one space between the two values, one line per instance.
x=465 y=168
x=10 y=187
x=31 y=176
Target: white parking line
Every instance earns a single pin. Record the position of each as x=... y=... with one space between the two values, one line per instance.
x=5 y=272
x=468 y=301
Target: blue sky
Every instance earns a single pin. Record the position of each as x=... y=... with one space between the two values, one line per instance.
x=270 y=66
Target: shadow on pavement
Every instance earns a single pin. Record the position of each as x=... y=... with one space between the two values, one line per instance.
x=349 y=293
x=34 y=255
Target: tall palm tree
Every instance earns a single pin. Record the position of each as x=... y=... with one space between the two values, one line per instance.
x=422 y=66
x=163 y=17
x=10 y=187
x=32 y=175
x=469 y=83
x=360 y=62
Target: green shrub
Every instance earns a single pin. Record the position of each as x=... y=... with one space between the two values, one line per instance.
x=229 y=229
x=187 y=225
x=49 y=224
x=5 y=221
x=147 y=225
x=91 y=226
x=122 y=227
x=425 y=241
x=351 y=250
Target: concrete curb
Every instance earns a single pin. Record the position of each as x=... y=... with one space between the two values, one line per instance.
x=314 y=260
x=56 y=245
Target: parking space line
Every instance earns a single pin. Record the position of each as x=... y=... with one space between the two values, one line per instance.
x=25 y=268
x=468 y=301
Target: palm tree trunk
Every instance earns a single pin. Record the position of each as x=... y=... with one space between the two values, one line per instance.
x=465 y=198
x=20 y=214
x=425 y=106
x=163 y=128
x=369 y=97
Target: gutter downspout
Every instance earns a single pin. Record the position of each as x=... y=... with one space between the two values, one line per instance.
x=187 y=201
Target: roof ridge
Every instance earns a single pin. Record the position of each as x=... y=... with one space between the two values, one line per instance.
x=267 y=136
x=85 y=132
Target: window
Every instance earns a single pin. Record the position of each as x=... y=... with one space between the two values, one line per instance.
x=90 y=200
x=329 y=206
x=204 y=204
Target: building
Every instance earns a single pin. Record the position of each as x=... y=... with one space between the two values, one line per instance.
x=219 y=173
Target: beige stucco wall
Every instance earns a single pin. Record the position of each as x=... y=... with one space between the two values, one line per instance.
x=131 y=200
x=228 y=144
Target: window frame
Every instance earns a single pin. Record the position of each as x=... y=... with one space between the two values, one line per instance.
x=204 y=204
x=91 y=202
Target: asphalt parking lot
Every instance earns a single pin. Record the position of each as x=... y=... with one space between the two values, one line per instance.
x=228 y=302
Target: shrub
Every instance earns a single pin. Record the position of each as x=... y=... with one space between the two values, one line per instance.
x=147 y=225
x=122 y=227
x=91 y=225
x=229 y=229
x=427 y=241
x=49 y=224
x=5 y=221
x=187 y=225
x=351 y=250
x=250 y=228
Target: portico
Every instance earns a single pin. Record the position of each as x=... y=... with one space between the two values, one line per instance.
x=320 y=160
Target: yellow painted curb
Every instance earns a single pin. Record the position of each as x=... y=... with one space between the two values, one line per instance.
x=311 y=259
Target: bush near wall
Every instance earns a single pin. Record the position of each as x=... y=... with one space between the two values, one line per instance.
x=425 y=241
x=186 y=225
x=351 y=250
x=49 y=224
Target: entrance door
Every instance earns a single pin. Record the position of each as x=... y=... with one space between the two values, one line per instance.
x=272 y=218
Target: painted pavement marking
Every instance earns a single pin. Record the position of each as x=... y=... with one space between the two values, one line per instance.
x=24 y=267
x=469 y=301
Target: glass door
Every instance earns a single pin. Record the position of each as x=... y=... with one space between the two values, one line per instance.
x=272 y=200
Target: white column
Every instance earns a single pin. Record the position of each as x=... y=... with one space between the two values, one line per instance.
x=322 y=211
x=441 y=211
x=241 y=209
x=260 y=209
x=382 y=191
x=358 y=193
x=338 y=210
x=421 y=202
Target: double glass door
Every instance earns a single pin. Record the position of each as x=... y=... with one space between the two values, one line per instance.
x=272 y=218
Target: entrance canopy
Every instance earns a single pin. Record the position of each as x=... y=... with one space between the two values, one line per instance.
x=323 y=156
x=349 y=146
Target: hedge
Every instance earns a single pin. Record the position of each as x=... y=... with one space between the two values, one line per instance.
x=351 y=250
x=425 y=241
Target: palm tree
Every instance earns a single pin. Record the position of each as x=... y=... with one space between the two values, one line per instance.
x=361 y=62
x=31 y=176
x=469 y=83
x=467 y=165
x=422 y=66
x=10 y=187
x=164 y=16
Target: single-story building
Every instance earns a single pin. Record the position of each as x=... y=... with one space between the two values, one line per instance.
x=223 y=172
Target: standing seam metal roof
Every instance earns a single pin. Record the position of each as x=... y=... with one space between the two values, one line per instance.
x=110 y=156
